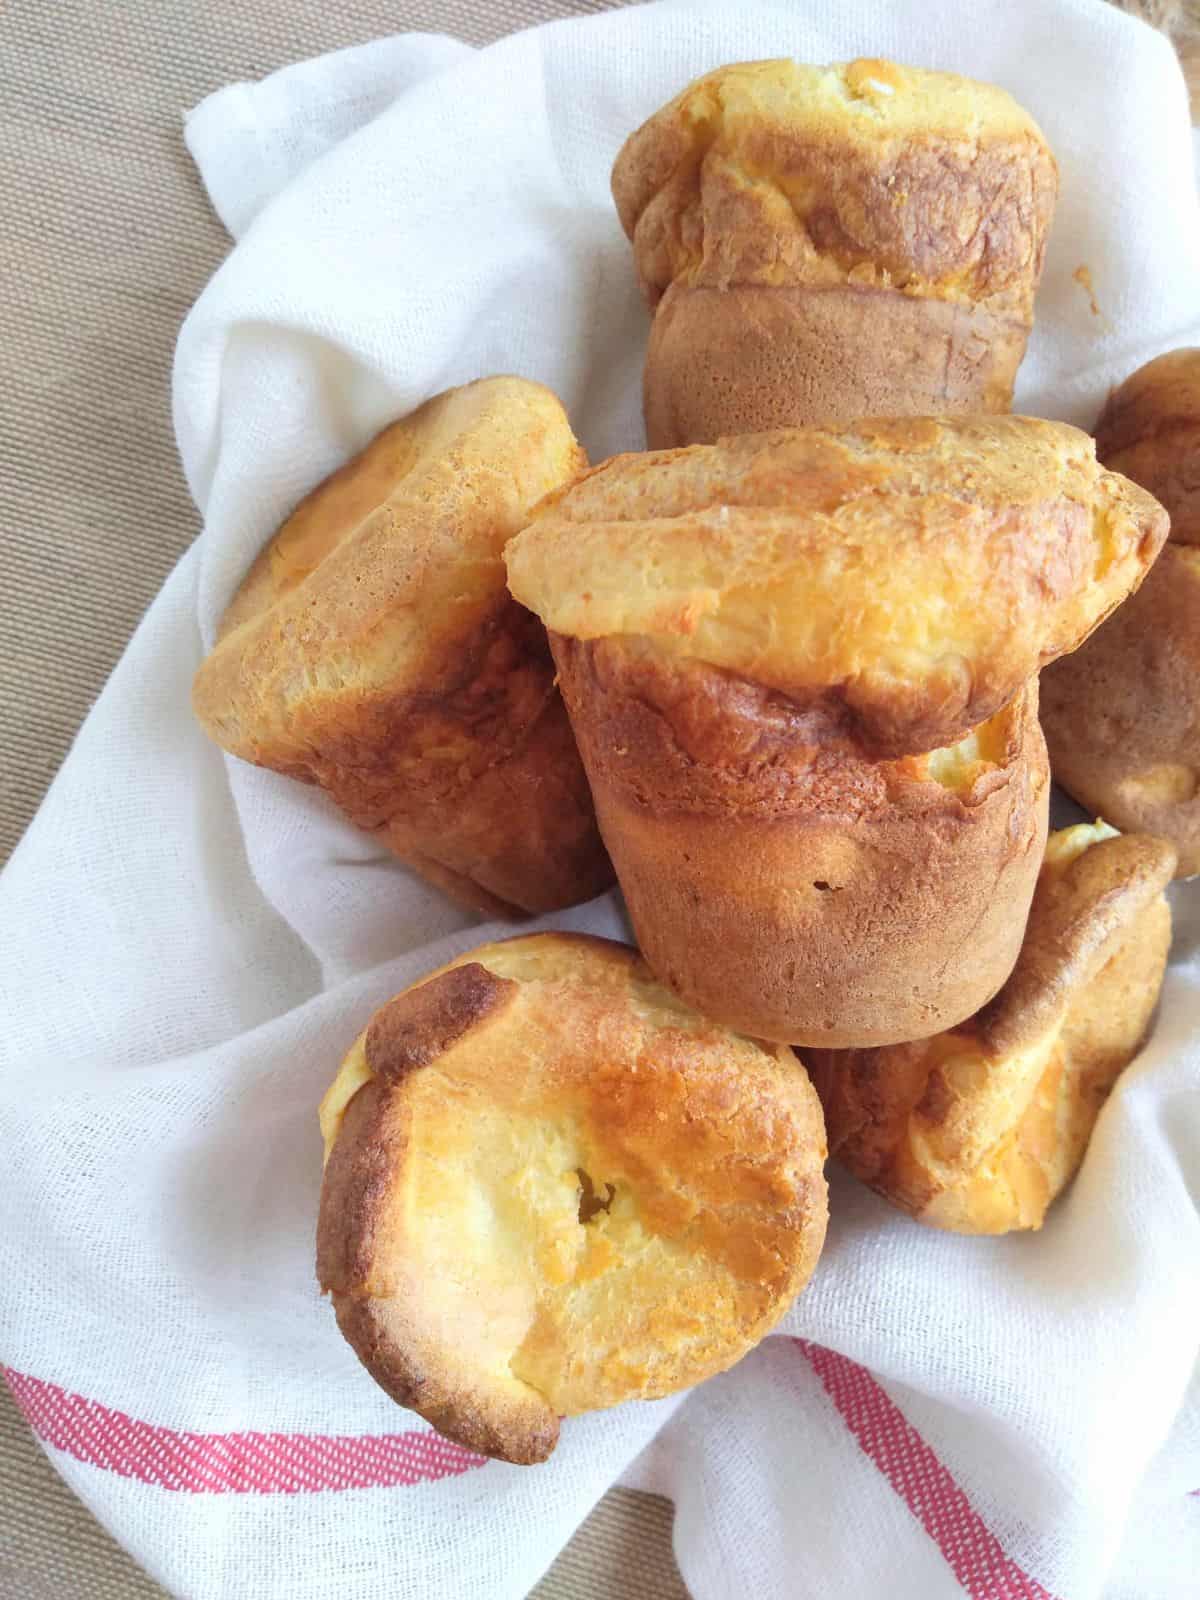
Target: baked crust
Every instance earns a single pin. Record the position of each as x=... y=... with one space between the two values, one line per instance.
x=1122 y=715
x=1150 y=431
x=751 y=358
x=826 y=243
x=372 y=649
x=479 y=1119
x=775 y=172
x=978 y=1129
x=780 y=879
x=910 y=574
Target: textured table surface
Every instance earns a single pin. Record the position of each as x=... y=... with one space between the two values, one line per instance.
x=107 y=240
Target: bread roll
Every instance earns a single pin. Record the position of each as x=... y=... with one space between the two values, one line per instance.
x=1122 y=715
x=824 y=243
x=550 y=1187
x=978 y=1129
x=374 y=650
x=801 y=668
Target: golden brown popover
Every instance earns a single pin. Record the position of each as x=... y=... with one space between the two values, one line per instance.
x=550 y=1187
x=801 y=668
x=824 y=243
x=373 y=649
x=979 y=1128
x=1122 y=716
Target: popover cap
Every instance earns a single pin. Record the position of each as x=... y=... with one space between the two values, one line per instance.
x=1150 y=431
x=914 y=571
x=868 y=172
x=978 y=1128
x=378 y=578
x=552 y=1187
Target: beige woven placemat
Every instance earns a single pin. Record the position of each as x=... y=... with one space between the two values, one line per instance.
x=105 y=242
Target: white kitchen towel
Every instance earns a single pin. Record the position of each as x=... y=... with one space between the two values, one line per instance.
x=189 y=945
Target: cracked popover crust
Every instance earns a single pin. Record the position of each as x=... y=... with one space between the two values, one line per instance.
x=374 y=650
x=979 y=1128
x=550 y=1187
x=802 y=671
x=1122 y=716
x=824 y=243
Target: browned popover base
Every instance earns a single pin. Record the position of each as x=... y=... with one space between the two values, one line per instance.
x=782 y=881
x=752 y=357
x=551 y=1187
x=374 y=650
x=978 y=1129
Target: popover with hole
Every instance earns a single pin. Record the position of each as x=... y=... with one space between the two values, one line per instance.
x=552 y=1187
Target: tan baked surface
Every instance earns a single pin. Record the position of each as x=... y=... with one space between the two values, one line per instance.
x=978 y=1129
x=754 y=357
x=772 y=172
x=1122 y=715
x=782 y=881
x=914 y=572
x=373 y=649
x=462 y=1125
x=1150 y=431
x=386 y=572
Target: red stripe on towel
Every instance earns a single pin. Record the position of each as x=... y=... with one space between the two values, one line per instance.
x=231 y=1463
x=892 y=1444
